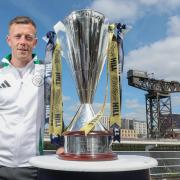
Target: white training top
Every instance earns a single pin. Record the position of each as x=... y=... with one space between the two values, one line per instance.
x=21 y=113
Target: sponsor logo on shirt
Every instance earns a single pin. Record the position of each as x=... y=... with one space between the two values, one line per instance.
x=4 y=84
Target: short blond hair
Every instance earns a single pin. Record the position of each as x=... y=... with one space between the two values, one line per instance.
x=22 y=20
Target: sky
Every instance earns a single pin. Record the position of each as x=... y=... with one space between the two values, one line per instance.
x=152 y=44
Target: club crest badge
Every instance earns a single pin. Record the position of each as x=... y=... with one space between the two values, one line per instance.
x=38 y=80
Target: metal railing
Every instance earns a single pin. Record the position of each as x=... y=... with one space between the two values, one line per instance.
x=168 y=163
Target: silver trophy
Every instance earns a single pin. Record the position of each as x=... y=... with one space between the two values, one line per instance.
x=87 y=40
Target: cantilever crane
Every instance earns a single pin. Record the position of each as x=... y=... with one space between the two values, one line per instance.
x=158 y=102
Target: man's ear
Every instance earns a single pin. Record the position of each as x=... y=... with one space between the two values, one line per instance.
x=8 y=40
x=35 y=42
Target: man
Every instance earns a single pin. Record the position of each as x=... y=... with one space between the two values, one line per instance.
x=21 y=102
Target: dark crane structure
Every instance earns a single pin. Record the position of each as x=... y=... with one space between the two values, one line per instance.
x=158 y=102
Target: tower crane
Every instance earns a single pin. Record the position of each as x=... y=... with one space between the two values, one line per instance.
x=158 y=102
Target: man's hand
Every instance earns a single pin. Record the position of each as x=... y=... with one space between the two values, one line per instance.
x=60 y=151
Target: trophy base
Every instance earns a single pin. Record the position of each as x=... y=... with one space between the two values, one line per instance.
x=88 y=157
x=92 y=147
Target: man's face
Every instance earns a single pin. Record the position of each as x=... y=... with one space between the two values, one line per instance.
x=22 y=40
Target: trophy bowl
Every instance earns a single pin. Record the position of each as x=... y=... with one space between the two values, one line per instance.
x=87 y=40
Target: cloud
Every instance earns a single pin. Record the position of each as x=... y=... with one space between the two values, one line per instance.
x=129 y=11
x=161 y=57
x=133 y=104
x=175 y=98
x=97 y=107
x=137 y=110
x=66 y=98
x=117 y=10
x=137 y=115
x=69 y=111
x=173 y=26
x=166 y=5
x=67 y=118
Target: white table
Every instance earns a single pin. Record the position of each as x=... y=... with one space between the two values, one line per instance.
x=125 y=167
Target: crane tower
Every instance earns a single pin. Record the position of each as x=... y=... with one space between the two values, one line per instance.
x=158 y=102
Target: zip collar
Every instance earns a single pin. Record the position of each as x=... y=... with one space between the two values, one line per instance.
x=7 y=59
